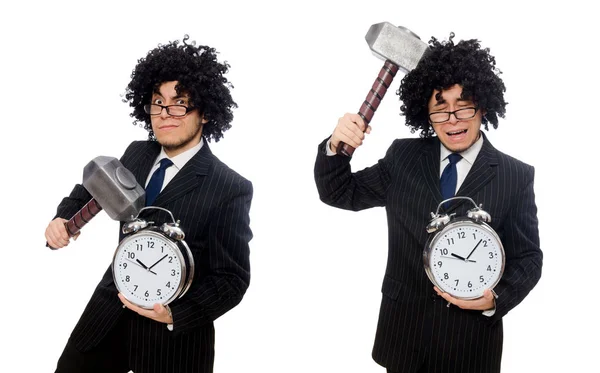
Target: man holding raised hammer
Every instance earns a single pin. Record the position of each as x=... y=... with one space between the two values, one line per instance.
x=180 y=95
x=450 y=91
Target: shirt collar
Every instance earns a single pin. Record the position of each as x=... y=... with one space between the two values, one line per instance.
x=468 y=155
x=180 y=159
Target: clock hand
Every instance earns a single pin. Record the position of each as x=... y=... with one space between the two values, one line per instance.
x=454 y=256
x=140 y=265
x=457 y=256
x=143 y=265
x=472 y=251
x=159 y=260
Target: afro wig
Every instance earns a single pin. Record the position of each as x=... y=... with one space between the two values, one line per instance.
x=444 y=65
x=198 y=74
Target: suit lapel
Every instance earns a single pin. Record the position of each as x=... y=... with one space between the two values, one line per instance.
x=187 y=178
x=146 y=161
x=429 y=162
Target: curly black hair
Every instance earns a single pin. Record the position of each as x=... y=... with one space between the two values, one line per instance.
x=200 y=76
x=444 y=65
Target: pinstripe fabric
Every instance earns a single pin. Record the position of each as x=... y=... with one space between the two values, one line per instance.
x=213 y=204
x=416 y=332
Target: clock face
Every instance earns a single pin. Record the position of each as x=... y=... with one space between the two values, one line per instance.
x=148 y=269
x=464 y=259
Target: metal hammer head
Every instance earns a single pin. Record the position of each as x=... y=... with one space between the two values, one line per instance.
x=396 y=44
x=114 y=187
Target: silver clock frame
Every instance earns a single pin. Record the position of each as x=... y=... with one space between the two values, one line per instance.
x=174 y=237
x=442 y=223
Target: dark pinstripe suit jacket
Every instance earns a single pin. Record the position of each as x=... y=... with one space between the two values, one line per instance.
x=416 y=331
x=213 y=204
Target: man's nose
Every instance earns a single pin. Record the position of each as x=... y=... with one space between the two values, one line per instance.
x=453 y=119
x=164 y=112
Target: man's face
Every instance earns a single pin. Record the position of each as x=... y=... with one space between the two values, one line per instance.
x=457 y=135
x=175 y=134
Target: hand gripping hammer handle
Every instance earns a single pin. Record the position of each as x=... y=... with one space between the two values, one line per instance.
x=81 y=218
x=371 y=103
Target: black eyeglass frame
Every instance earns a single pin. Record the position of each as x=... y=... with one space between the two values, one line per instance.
x=453 y=113
x=147 y=108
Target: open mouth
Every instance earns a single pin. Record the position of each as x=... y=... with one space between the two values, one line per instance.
x=456 y=133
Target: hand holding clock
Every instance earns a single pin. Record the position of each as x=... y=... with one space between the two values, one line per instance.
x=484 y=303
x=158 y=313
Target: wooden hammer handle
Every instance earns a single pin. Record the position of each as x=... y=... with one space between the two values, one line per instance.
x=82 y=217
x=371 y=103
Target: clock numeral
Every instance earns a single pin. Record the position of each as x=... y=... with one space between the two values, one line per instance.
x=158 y=292
x=172 y=272
x=491 y=255
x=170 y=259
x=146 y=293
x=151 y=244
x=127 y=279
x=461 y=235
x=470 y=284
x=439 y=264
x=484 y=243
x=456 y=282
x=446 y=276
x=139 y=247
x=489 y=269
x=168 y=284
x=481 y=279
x=124 y=265
x=131 y=255
x=450 y=241
x=135 y=287
x=444 y=251
x=474 y=236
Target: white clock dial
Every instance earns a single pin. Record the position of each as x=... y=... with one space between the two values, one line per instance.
x=465 y=259
x=148 y=269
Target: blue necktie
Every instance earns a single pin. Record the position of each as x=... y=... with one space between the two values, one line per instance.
x=156 y=181
x=448 y=179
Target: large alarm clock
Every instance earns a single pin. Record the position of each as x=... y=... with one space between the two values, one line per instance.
x=152 y=264
x=463 y=255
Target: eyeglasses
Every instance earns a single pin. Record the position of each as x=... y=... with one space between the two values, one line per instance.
x=460 y=114
x=172 y=110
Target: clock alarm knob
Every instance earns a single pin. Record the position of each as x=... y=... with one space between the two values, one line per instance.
x=134 y=226
x=477 y=214
x=172 y=230
x=438 y=222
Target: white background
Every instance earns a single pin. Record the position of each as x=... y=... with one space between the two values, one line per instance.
x=316 y=271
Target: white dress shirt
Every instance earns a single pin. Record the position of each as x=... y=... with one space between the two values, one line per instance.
x=178 y=162
x=464 y=165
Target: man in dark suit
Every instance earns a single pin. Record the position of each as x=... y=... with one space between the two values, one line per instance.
x=180 y=94
x=453 y=91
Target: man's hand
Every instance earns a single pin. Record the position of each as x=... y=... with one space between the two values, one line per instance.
x=484 y=303
x=56 y=234
x=351 y=130
x=158 y=313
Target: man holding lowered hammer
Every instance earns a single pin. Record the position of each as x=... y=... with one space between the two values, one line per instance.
x=447 y=97
x=180 y=95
